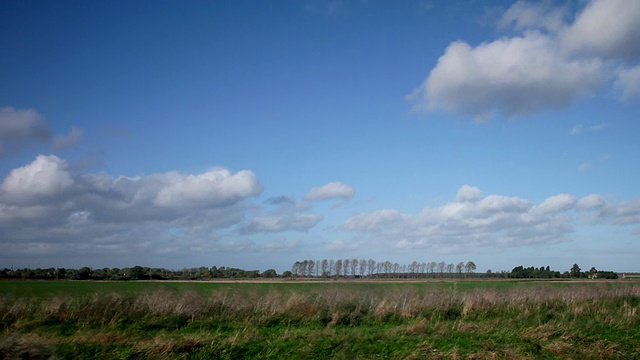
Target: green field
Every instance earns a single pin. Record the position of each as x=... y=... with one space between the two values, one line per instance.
x=320 y=320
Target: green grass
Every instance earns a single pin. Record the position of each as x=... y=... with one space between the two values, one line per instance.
x=394 y=320
x=39 y=289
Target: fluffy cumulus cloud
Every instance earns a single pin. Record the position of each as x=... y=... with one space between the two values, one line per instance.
x=44 y=178
x=213 y=188
x=548 y=65
x=44 y=205
x=599 y=210
x=606 y=28
x=475 y=220
x=590 y=202
x=19 y=126
x=332 y=190
x=471 y=220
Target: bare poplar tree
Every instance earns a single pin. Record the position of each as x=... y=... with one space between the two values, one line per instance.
x=325 y=267
x=338 y=267
x=441 y=266
x=363 y=267
x=354 y=266
x=469 y=268
x=345 y=267
x=387 y=267
x=371 y=266
x=295 y=269
x=432 y=267
x=396 y=269
x=311 y=265
x=413 y=268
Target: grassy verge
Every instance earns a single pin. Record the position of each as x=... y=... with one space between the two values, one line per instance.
x=322 y=321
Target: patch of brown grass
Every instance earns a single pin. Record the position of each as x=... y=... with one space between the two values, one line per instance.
x=27 y=346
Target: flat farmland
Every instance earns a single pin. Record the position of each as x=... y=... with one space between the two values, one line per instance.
x=320 y=319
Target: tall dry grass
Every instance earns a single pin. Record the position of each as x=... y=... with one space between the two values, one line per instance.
x=328 y=306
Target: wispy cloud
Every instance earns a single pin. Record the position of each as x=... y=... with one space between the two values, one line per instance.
x=332 y=190
x=579 y=128
x=588 y=165
x=20 y=126
x=585 y=166
x=627 y=83
x=280 y=200
x=281 y=223
x=66 y=141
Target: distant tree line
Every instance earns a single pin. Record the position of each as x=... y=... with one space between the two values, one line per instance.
x=135 y=273
x=326 y=268
x=369 y=268
x=520 y=272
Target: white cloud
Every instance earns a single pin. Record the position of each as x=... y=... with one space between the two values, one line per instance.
x=576 y=129
x=558 y=203
x=44 y=203
x=605 y=212
x=590 y=202
x=525 y=15
x=489 y=221
x=281 y=200
x=331 y=190
x=579 y=128
x=63 y=142
x=18 y=126
x=512 y=76
x=42 y=179
x=281 y=244
x=606 y=28
x=628 y=83
x=468 y=193
x=334 y=245
x=374 y=221
x=598 y=127
x=625 y=213
x=237 y=246
x=280 y=223
x=585 y=166
x=210 y=189
x=548 y=66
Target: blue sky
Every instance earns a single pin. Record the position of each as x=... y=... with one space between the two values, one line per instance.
x=254 y=134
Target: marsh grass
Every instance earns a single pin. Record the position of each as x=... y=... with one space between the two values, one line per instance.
x=477 y=322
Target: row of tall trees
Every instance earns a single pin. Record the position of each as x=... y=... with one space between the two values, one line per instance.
x=353 y=268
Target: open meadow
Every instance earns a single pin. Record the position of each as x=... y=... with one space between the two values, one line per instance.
x=320 y=320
